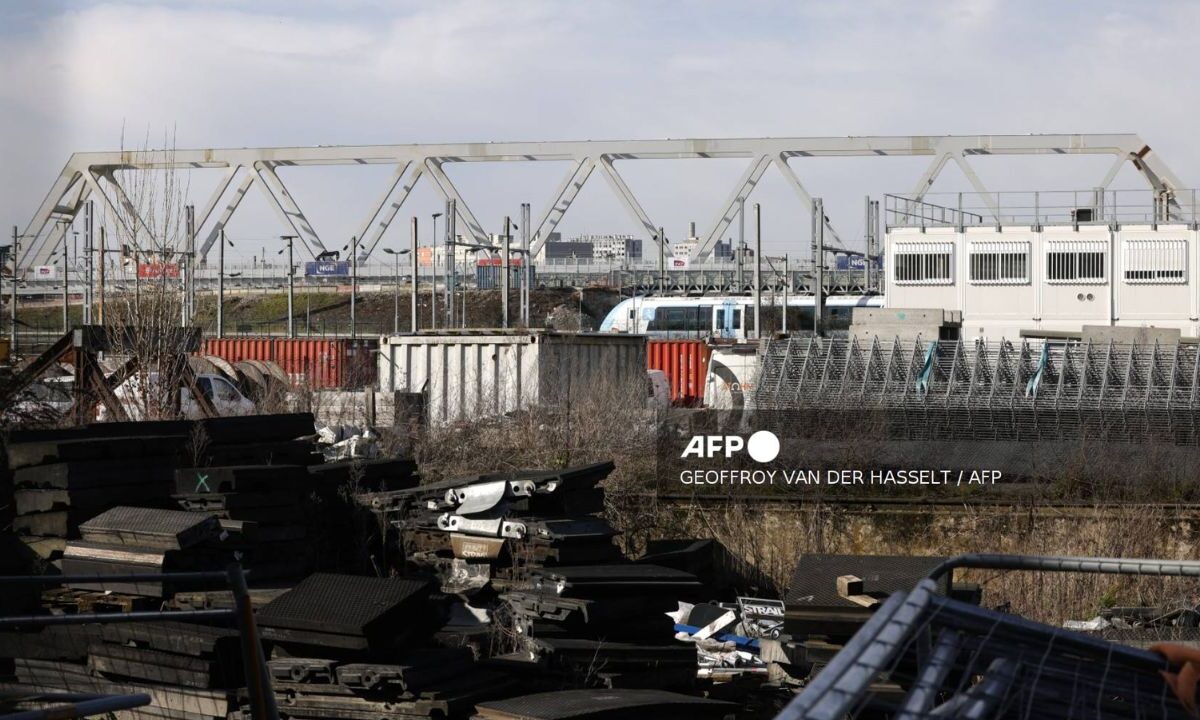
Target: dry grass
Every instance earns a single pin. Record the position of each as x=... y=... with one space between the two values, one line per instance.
x=773 y=538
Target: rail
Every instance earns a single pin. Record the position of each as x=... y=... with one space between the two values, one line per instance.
x=1044 y=207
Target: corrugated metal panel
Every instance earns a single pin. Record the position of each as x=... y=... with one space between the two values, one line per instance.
x=315 y=363
x=685 y=363
x=467 y=377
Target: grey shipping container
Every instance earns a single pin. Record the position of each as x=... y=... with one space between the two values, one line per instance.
x=472 y=375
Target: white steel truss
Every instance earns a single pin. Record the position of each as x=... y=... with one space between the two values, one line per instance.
x=94 y=173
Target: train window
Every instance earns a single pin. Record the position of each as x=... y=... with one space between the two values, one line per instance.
x=682 y=319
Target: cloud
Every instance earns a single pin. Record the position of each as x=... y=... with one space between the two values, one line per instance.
x=286 y=73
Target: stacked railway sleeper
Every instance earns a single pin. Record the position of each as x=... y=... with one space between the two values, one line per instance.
x=376 y=596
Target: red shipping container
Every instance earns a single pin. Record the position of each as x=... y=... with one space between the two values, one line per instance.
x=685 y=363
x=314 y=363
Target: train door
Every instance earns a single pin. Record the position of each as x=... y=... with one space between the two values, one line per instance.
x=727 y=321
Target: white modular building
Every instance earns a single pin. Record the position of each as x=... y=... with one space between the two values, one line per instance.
x=1047 y=271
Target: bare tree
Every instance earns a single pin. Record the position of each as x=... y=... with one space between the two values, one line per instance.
x=145 y=320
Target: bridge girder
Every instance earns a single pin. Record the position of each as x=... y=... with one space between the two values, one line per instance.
x=415 y=161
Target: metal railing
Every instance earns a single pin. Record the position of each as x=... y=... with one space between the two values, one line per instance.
x=1044 y=207
x=258 y=678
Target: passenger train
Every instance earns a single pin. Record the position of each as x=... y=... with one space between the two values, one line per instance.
x=729 y=317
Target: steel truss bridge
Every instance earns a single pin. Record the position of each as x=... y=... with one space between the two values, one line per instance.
x=93 y=175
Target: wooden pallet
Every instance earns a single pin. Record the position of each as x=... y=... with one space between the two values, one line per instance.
x=71 y=601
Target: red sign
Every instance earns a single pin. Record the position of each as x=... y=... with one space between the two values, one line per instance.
x=498 y=262
x=157 y=270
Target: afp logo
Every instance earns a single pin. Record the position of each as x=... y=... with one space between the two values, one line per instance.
x=762 y=446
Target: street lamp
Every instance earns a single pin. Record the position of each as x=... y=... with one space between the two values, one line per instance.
x=291 y=274
x=221 y=282
x=396 y=295
x=353 y=247
x=433 y=290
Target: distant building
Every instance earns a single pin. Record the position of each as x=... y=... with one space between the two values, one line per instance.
x=617 y=248
x=559 y=250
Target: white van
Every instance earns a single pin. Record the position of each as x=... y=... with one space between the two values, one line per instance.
x=224 y=396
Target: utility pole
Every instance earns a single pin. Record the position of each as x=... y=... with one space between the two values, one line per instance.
x=451 y=242
x=66 y=281
x=89 y=249
x=191 y=261
x=412 y=323
x=396 y=295
x=433 y=288
x=395 y=287
x=447 y=268
x=353 y=286
x=741 y=250
x=526 y=272
x=757 y=270
x=291 y=296
x=818 y=256
x=185 y=320
x=103 y=263
x=785 y=291
x=221 y=284
x=504 y=274
x=12 y=328
x=662 y=261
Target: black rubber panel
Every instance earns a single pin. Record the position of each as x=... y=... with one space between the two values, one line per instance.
x=153 y=473
x=256 y=428
x=580 y=704
x=371 y=475
x=814 y=582
x=102 y=430
x=30 y=454
x=240 y=478
x=151 y=528
x=347 y=605
x=283 y=452
x=175 y=637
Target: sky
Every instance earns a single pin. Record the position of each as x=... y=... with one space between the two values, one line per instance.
x=79 y=75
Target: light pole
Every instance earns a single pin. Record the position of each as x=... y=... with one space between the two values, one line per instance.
x=291 y=275
x=12 y=328
x=741 y=250
x=757 y=270
x=451 y=254
x=433 y=288
x=353 y=247
x=526 y=297
x=504 y=274
x=221 y=283
x=412 y=253
x=66 y=296
x=396 y=289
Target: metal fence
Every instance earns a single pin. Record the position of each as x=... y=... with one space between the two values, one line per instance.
x=1043 y=207
x=1003 y=390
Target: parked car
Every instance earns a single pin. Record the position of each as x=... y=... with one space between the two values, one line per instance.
x=224 y=396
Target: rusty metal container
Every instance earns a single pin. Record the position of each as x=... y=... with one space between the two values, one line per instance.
x=685 y=363
x=309 y=362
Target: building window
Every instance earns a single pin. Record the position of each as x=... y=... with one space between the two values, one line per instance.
x=1155 y=262
x=999 y=263
x=1076 y=262
x=923 y=263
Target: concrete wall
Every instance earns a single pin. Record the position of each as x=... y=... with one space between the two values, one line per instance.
x=466 y=376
